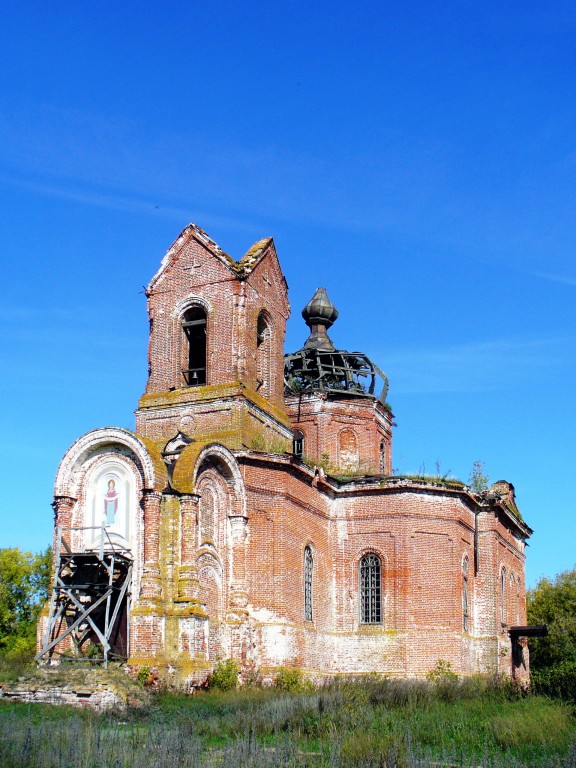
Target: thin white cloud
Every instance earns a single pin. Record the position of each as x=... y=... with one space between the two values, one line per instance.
x=70 y=153
x=485 y=366
x=125 y=204
x=564 y=279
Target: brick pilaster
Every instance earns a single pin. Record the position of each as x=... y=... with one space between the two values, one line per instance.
x=151 y=587
x=188 y=585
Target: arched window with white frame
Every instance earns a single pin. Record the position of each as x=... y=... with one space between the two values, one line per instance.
x=370 y=589
x=503 y=596
x=308 y=582
x=465 y=596
x=512 y=598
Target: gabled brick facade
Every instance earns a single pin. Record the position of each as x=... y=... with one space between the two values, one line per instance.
x=219 y=515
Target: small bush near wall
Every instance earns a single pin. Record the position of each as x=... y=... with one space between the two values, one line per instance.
x=559 y=680
x=291 y=679
x=225 y=675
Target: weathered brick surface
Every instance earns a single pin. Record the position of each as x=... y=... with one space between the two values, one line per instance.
x=220 y=531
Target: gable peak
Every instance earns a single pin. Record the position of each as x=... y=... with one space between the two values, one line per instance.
x=241 y=269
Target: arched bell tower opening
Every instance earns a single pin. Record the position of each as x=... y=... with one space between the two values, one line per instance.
x=263 y=354
x=194 y=324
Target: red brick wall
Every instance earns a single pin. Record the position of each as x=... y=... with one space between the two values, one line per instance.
x=239 y=591
x=323 y=418
x=194 y=274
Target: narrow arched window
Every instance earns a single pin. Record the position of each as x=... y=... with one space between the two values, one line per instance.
x=382 y=457
x=263 y=354
x=308 y=574
x=503 y=596
x=518 y=601
x=370 y=583
x=262 y=330
x=465 y=598
x=298 y=444
x=194 y=327
x=511 y=599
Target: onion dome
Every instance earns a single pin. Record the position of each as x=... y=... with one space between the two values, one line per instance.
x=319 y=314
x=320 y=366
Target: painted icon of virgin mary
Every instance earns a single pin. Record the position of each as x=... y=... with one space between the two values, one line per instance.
x=110 y=502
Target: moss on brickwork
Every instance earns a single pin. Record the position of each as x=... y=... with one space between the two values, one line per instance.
x=183 y=475
x=205 y=393
x=171 y=670
x=448 y=482
x=137 y=609
x=263 y=444
x=244 y=434
x=248 y=261
x=187 y=609
x=76 y=676
x=266 y=406
x=213 y=392
x=513 y=509
x=376 y=629
x=169 y=545
x=155 y=453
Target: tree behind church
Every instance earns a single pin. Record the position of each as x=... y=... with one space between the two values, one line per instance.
x=553 y=658
x=24 y=587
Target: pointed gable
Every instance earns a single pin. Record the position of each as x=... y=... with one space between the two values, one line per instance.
x=205 y=310
x=180 y=249
x=261 y=267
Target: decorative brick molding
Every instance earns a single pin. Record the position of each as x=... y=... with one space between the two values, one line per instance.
x=234 y=479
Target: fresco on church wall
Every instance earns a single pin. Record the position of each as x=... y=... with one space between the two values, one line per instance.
x=111 y=504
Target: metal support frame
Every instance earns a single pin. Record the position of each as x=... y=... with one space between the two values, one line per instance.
x=336 y=371
x=89 y=591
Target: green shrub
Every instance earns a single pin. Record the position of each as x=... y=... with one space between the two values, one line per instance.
x=291 y=679
x=21 y=649
x=225 y=675
x=557 y=680
x=143 y=675
x=442 y=673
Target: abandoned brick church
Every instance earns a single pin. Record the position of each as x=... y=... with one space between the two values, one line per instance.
x=253 y=513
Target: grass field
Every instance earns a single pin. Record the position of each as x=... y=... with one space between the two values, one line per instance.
x=363 y=723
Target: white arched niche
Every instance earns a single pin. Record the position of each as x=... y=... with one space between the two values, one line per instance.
x=111 y=504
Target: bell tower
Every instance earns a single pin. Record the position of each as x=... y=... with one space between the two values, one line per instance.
x=215 y=351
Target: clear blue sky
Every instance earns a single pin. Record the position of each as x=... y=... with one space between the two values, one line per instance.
x=417 y=159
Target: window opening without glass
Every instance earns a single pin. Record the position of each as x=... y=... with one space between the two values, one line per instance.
x=194 y=327
x=298 y=444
